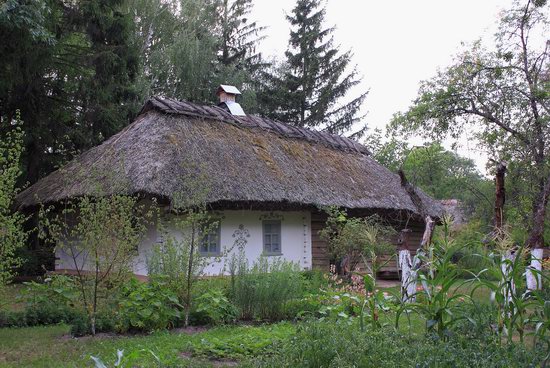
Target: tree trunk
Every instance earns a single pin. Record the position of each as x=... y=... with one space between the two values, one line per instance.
x=416 y=263
x=408 y=278
x=533 y=274
x=500 y=198
x=408 y=284
x=535 y=242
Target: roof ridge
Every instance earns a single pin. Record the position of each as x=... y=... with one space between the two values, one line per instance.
x=172 y=106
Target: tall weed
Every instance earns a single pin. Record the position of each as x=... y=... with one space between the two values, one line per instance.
x=264 y=290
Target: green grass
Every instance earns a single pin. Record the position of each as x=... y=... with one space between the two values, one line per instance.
x=51 y=346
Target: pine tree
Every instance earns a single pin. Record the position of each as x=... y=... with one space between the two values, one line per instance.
x=238 y=36
x=308 y=89
x=109 y=99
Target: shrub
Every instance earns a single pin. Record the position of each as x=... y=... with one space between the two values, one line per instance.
x=214 y=307
x=265 y=290
x=56 y=291
x=147 y=306
x=12 y=319
x=314 y=280
x=46 y=303
x=80 y=325
x=322 y=344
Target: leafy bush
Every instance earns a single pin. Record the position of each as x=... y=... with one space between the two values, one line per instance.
x=243 y=342
x=13 y=319
x=314 y=280
x=470 y=249
x=265 y=290
x=322 y=344
x=55 y=291
x=147 y=306
x=214 y=307
x=46 y=303
x=80 y=325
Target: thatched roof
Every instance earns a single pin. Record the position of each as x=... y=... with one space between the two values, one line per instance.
x=183 y=150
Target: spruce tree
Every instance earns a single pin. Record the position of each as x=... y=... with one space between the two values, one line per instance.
x=238 y=36
x=308 y=89
x=109 y=99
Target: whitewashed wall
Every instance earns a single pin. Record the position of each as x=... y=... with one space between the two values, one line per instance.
x=238 y=228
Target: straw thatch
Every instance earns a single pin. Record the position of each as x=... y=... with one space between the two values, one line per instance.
x=179 y=150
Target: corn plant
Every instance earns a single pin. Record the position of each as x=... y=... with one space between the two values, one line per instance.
x=375 y=301
x=438 y=299
x=541 y=320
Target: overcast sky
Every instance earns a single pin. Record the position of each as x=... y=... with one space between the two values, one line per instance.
x=396 y=44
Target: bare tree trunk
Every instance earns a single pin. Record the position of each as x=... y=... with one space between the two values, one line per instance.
x=500 y=198
x=535 y=242
x=533 y=274
x=426 y=238
x=416 y=264
x=408 y=279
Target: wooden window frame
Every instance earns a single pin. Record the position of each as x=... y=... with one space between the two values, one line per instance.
x=207 y=239
x=270 y=252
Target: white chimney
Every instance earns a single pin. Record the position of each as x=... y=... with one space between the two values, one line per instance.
x=227 y=95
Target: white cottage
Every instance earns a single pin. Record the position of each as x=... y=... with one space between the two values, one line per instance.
x=266 y=180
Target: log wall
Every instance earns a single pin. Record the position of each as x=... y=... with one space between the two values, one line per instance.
x=321 y=258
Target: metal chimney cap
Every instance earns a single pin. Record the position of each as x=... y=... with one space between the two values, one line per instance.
x=228 y=89
x=234 y=108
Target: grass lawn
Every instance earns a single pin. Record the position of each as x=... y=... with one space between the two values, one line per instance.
x=51 y=346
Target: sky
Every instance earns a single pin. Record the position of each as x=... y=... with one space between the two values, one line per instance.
x=396 y=44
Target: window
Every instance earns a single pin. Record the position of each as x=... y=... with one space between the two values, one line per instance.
x=210 y=242
x=272 y=237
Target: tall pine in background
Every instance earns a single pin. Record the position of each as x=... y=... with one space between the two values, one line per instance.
x=69 y=68
x=239 y=36
x=109 y=98
x=308 y=89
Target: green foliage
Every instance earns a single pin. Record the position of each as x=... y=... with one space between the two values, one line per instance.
x=50 y=302
x=264 y=290
x=246 y=342
x=513 y=127
x=70 y=69
x=506 y=284
x=178 y=259
x=101 y=237
x=470 y=247
x=441 y=173
x=12 y=235
x=358 y=239
x=308 y=89
x=147 y=306
x=215 y=307
x=190 y=47
x=127 y=360
x=439 y=300
x=324 y=344
x=57 y=290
